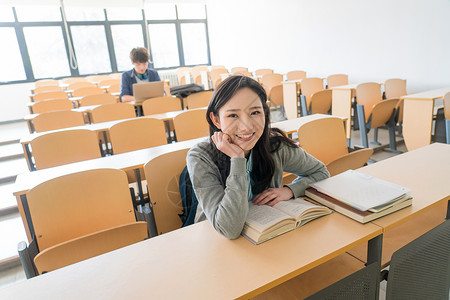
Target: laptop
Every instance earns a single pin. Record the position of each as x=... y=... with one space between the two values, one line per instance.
x=146 y=90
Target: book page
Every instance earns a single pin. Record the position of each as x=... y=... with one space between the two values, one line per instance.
x=295 y=207
x=263 y=217
x=360 y=190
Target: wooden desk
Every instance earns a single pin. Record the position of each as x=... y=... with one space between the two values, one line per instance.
x=418 y=117
x=195 y=262
x=291 y=126
x=426 y=171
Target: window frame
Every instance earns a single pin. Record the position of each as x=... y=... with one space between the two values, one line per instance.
x=19 y=26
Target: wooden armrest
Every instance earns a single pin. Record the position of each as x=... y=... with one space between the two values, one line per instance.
x=90 y=245
x=352 y=160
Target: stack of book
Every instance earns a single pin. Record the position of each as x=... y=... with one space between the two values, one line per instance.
x=360 y=196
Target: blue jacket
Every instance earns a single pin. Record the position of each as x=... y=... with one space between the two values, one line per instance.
x=128 y=79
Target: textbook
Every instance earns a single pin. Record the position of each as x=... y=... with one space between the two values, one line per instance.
x=265 y=222
x=359 y=196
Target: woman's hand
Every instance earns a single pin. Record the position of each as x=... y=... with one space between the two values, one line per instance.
x=272 y=196
x=223 y=143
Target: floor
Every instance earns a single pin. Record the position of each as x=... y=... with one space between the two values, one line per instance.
x=11 y=228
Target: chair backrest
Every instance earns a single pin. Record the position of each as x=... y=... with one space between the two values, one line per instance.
x=52 y=105
x=191 y=124
x=276 y=96
x=337 y=80
x=324 y=139
x=295 y=75
x=115 y=88
x=368 y=94
x=97 y=78
x=160 y=105
x=310 y=86
x=80 y=84
x=195 y=71
x=215 y=76
x=382 y=112
x=86 y=91
x=78 y=204
x=46 y=82
x=261 y=72
x=70 y=80
x=97 y=99
x=198 y=100
x=421 y=269
x=181 y=74
x=270 y=80
x=237 y=70
x=57 y=119
x=109 y=82
x=50 y=95
x=395 y=88
x=447 y=106
x=64 y=147
x=321 y=102
x=219 y=67
x=163 y=174
x=47 y=88
x=111 y=112
x=136 y=134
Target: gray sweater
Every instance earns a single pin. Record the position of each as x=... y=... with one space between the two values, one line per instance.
x=225 y=204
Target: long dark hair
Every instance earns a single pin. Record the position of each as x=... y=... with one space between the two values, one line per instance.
x=269 y=142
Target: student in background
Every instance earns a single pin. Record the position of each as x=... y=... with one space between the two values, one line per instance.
x=140 y=73
x=244 y=159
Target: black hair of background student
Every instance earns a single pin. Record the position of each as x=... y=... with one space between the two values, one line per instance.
x=269 y=142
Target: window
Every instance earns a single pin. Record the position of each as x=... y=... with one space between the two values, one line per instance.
x=163 y=43
x=194 y=43
x=191 y=11
x=160 y=12
x=10 y=58
x=47 y=51
x=125 y=38
x=6 y=14
x=84 y=14
x=91 y=49
x=124 y=13
x=38 y=13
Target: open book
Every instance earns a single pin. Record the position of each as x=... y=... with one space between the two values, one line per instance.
x=359 y=196
x=265 y=222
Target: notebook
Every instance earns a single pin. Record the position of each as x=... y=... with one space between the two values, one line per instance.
x=144 y=91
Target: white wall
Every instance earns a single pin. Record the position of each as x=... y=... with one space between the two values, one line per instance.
x=369 y=40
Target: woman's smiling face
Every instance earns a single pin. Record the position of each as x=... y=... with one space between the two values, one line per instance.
x=242 y=118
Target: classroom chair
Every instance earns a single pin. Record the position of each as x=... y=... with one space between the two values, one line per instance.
x=325 y=139
x=320 y=103
x=64 y=147
x=97 y=99
x=374 y=112
x=160 y=105
x=167 y=87
x=47 y=88
x=182 y=73
x=111 y=112
x=295 y=75
x=191 y=124
x=70 y=80
x=46 y=82
x=52 y=105
x=57 y=120
x=447 y=116
x=199 y=79
x=115 y=88
x=237 y=70
x=336 y=80
x=49 y=95
x=87 y=91
x=198 y=100
x=276 y=99
x=80 y=84
x=261 y=72
x=309 y=86
x=163 y=174
x=97 y=78
x=195 y=71
x=216 y=77
x=270 y=80
x=108 y=82
x=135 y=134
x=394 y=88
x=421 y=269
x=78 y=216
x=219 y=67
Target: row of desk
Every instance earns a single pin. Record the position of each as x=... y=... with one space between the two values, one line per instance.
x=197 y=263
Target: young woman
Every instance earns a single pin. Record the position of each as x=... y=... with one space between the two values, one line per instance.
x=245 y=158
